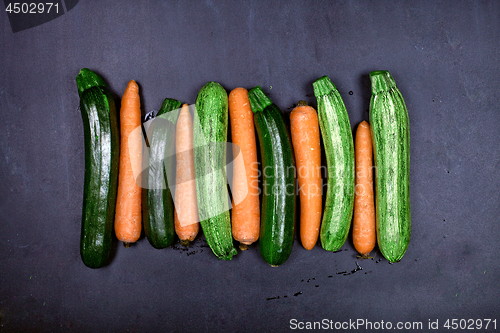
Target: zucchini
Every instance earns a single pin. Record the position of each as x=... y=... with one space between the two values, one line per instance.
x=158 y=205
x=209 y=139
x=88 y=79
x=100 y=126
x=278 y=183
x=339 y=149
x=390 y=129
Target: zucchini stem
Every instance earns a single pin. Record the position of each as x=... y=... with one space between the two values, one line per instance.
x=381 y=81
x=258 y=99
x=323 y=86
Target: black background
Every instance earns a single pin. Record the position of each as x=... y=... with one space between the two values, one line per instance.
x=444 y=57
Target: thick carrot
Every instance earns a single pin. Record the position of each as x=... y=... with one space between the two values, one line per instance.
x=186 y=206
x=304 y=128
x=245 y=215
x=364 y=231
x=128 y=203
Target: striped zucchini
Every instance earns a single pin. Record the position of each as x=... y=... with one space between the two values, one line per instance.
x=101 y=138
x=278 y=183
x=209 y=138
x=339 y=149
x=391 y=145
x=158 y=205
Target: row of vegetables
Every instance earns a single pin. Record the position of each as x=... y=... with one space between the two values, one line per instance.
x=116 y=200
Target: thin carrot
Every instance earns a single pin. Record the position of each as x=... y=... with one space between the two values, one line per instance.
x=364 y=231
x=186 y=205
x=128 y=203
x=304 y=128
x=245 y=215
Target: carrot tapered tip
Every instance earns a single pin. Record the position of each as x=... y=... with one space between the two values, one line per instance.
x=243 y=247
x=364 y=123
x=132 y=85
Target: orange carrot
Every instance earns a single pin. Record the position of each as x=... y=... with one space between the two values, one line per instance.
x=304 y=128
x=128 y=203
x=186 y=205
x=245 y=215
x=364 y=231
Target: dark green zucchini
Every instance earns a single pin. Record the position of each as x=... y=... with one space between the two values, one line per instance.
x=209 y=138
x=98 y=111
x=390 y=129
x=339 y=149
x=278 y=184
x=88 y=79
x=158 y=205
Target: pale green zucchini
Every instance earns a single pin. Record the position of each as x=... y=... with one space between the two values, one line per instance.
x=391 y=146
x=339 y=149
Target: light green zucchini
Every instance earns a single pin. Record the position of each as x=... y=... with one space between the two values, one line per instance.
x=390 y=129
x=339 y=149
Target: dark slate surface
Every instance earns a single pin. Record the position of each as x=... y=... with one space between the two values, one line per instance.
x=444 y=56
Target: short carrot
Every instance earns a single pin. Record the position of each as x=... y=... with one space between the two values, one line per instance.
x=245 y=215
x=304 y=128
x=128 y=203
x=186 y=206
x=364 y=231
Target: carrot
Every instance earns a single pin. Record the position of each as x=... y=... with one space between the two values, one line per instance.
x=304 y=128
x=364 y=231
x=128 y=203
x=186 y=206
x=245 y=215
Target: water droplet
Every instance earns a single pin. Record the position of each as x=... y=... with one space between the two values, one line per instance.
x=270 y=298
